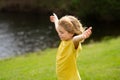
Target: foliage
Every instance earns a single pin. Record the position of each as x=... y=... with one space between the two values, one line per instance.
x=108 y=10
x=102 y=9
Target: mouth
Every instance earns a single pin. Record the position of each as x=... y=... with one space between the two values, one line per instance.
x=61 y=37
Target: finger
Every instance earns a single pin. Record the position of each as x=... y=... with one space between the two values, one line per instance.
x=55 y=16
x=88 y=33
x=90 y=28
x=52 y=19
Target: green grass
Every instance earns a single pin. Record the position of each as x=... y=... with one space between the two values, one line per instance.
x=97 y=61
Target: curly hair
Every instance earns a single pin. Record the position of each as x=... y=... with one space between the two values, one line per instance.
x=71 y=24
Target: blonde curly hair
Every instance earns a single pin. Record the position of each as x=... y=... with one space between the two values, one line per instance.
x=71 y=24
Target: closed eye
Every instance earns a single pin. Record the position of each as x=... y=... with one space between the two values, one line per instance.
x=61 y=32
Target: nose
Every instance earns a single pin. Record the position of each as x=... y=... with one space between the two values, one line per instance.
x=59 y=34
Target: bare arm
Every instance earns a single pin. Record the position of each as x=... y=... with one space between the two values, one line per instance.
x=82 y=37
x=54 y=19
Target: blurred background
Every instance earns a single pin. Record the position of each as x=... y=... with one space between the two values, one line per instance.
x=25 y=25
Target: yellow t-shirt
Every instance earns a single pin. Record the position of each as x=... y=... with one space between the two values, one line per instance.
x=66 y=67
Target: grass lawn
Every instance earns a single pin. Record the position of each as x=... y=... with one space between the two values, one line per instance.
x=97 y=61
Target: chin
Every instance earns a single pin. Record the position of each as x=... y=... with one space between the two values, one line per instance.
x=62 y=39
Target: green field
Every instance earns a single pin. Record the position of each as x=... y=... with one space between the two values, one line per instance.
x=97 y=61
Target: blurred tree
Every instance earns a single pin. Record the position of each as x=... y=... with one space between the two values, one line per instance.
x=108 y=10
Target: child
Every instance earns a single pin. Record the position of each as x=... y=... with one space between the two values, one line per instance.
x=72 y=34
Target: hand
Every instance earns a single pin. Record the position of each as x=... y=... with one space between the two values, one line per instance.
x=87 y=33
x=54 y=18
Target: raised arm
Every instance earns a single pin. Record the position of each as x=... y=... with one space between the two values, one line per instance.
x=82 y=37
x=54 y=19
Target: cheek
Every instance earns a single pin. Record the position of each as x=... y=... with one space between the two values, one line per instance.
x=70 y=34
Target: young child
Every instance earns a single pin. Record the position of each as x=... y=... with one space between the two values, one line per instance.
x=72 y=34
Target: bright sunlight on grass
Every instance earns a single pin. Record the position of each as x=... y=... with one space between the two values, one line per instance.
x=97 y=61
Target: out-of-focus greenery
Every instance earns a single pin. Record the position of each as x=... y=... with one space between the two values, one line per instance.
x=103 y=9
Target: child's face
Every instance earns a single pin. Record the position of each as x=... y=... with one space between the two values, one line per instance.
x=63 y=34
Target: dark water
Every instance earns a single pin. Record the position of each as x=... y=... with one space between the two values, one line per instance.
x=22 y=33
